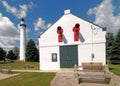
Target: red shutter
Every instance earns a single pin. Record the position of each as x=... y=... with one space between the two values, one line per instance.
x=60 y=34
x=76 y=30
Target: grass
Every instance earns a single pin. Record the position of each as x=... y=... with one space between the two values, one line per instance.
x=26 y=79
x=29 y=79
x=115 y=68
x=20 y=65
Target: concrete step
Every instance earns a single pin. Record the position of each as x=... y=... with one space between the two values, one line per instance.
x=93 y=84
x=93 y=78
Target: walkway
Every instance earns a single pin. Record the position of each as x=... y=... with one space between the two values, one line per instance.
x=66 y=78
x=31 y=71
x=4 y=76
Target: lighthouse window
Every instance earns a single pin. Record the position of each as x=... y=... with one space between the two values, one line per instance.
x=54 y=57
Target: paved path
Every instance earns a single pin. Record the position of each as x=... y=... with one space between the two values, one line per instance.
x=4 y=76
x=32 y=71
x=64 y=79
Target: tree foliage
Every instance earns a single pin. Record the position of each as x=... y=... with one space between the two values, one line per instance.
x=16 y=51
x=115 y=52
x=109 y=43
x=32 y=53
x=2 y=54
x=11 y=55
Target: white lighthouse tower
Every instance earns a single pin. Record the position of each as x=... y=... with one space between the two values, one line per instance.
x=22 y=27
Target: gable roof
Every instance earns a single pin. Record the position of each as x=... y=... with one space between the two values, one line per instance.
x=67 y=12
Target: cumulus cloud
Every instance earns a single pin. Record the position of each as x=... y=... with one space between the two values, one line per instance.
x=19 y=13
x=8 y=33
x=40 y=24
x=104 y=16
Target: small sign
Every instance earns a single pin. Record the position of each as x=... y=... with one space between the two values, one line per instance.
x=54 y=57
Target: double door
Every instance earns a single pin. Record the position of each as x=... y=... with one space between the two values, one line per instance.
x=68 y=56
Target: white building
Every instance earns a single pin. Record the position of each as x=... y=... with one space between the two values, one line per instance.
x=22 y=27
x=62 y=47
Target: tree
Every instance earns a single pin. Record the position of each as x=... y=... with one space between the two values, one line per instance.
x=11 y=55
x=2 y=54
x=16 y=51
x=31 y=51
x=109 y=42
x=115 y=52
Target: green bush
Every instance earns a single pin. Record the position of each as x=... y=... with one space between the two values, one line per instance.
x=115 y=60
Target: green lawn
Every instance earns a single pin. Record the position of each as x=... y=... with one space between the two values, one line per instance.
x=29 y=79
x=115 y=68
x=26 y=79
x=20 y=65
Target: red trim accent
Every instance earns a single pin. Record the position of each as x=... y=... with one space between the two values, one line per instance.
x=76 y=30
x=60 y=34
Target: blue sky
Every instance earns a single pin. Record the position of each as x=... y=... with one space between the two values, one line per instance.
x=40 y=14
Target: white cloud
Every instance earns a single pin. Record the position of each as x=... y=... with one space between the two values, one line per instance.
x=40 y=24
x=19 y=13
x=104 y=16
x=8 y=33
